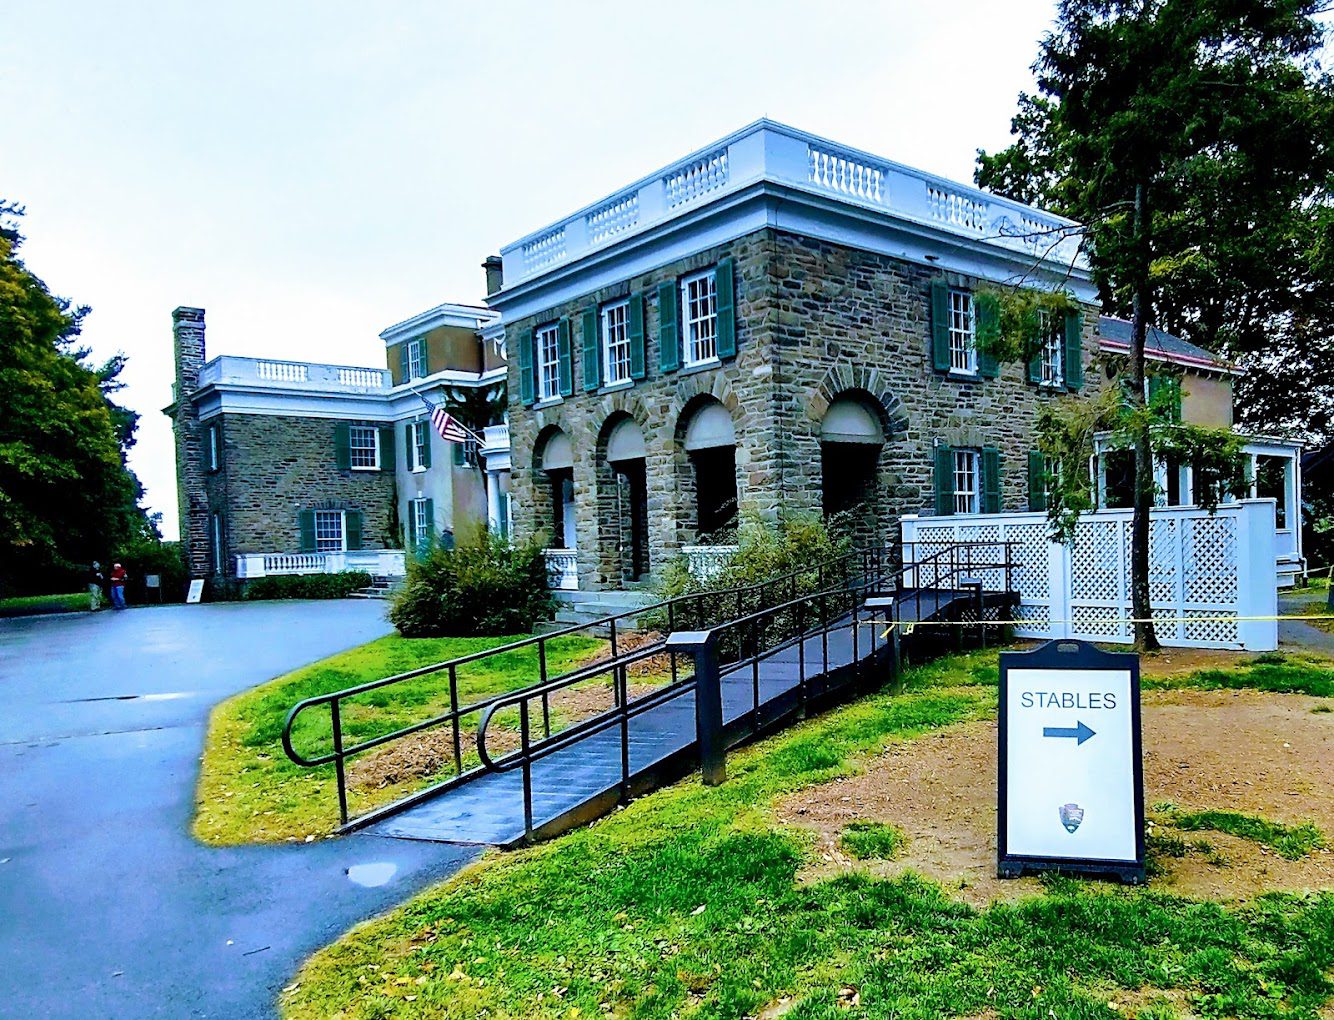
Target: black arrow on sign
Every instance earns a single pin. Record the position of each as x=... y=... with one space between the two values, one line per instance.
x=1079 y=732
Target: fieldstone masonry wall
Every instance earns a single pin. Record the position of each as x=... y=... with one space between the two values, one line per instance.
x=275 y=466
x=813 y=320
x=187 y=328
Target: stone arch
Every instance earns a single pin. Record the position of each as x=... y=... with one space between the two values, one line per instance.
x=552 y=470
x=856 y=478
x=843 y=379
x=620 y=479
x=706 y=465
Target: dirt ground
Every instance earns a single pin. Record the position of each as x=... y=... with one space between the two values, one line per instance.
x=1245 y=751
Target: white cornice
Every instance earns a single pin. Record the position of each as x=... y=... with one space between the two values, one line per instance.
x=465 y=316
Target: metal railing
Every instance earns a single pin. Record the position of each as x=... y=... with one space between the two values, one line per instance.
x=782 y=601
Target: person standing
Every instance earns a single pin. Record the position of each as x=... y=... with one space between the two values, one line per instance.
x=118 y=577
x=95 y=581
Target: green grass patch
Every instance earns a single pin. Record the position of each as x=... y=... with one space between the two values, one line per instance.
x=1277 y=672
x=686 y=904
x=871 y=841
x=33 y=605
x=1292 y=842
x=249 y=791
x=1319 y=608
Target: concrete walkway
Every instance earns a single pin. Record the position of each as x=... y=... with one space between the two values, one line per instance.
x=1299 y=633
x=109 y=908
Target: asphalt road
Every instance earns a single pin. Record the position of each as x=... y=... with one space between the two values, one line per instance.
x=108 y=907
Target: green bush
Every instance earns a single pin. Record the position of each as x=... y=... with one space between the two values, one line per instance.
x=803 y=544
x=484 y=585
x=307 y=586
x=150 y=556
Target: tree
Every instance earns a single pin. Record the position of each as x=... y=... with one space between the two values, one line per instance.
x=1192 y=139
x=66 y=495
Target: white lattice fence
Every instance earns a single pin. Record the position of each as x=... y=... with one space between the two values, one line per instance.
x=1213 y=579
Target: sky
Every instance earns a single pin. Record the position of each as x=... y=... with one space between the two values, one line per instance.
x=310 y=173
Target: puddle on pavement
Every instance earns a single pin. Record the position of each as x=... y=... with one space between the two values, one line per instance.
x=165 y=696
x=372 y=875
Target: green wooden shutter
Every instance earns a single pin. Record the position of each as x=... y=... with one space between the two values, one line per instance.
x=1037 y=480
x=991 y=492
x=669 y=327
x=940 y=326
x=305 y=522
x=457 y=451
x=1165 y=397
x=566 y=364
x=725 y=307
x=426 y=446
x=637 y=362
x=430 y=522
x=1175 y=407
x=403 y=368
x=409 y=447
x=342 y=446
x=944 y=481
x=387 y=452
x=526 y=392
x=1074 y=349
x=592 y=358
x=986 y=308
x=352 y=528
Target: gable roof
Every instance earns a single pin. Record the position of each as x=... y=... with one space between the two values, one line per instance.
x=1114 y=336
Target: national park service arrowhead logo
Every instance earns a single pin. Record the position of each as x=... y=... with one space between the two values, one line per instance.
x=1071 y=816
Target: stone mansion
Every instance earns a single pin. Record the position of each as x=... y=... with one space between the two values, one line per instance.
x=774 y=321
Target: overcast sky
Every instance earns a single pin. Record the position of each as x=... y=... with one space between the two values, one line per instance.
x=311 y=173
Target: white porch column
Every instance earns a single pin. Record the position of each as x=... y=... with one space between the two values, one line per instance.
x=493 y=501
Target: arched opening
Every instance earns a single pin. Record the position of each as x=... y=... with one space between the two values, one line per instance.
x=556 y=463
x=851 y=437
x=623 y=507
x=710 y=443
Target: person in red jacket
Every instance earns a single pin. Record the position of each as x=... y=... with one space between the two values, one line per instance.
x=118 y=577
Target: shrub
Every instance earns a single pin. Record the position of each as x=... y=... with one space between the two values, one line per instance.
x=484 y=585
x=307 y=586
x=149 y=556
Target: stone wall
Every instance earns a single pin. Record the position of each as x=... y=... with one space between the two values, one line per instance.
x=273 y=467
x=813 y=320
x=187 y=328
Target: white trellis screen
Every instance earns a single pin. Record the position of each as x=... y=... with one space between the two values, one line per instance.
x=1210 y=575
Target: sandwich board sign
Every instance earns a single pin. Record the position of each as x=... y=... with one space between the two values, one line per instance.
x=196 y=591
x=1071 y=780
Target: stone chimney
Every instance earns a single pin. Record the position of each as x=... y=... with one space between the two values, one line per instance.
x=187 y=329
x=495 y=274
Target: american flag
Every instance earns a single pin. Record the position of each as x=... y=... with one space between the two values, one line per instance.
x=450 y=429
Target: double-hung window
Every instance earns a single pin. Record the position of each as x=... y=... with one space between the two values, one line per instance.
x=421 y=521
x=420 y=438
x=364 y=447
x=1051 y=353
x=547 y=348
x=329 y=532
x=616 y=343
x=699 y=317
x=963 y=332
x=967 y=480
x=415 y=368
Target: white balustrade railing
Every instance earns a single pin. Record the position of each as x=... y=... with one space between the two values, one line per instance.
x=1213 y=578
x=705 y=562
x=377 y=562
x=766 y=151
x=563 y=569
x=307 y=375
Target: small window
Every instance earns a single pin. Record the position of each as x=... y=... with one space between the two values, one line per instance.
x=1051 y=476
x=415 y=368
x=699 y=308
x=218 y=566
x=421 y=521
x=420 y=438
x=329 y=536
x=471 y=452
x=966 y=482
x=364 y=447
x=547 y=348
x=963 y=332
x=214 y=448
x=1052 y=351
x=616 y=342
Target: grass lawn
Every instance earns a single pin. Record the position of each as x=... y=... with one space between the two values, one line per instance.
x=32 y=605
x=250 y=792
x=1277 y=672
x=688 y=903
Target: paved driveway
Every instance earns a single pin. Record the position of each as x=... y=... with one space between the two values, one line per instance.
x=108 y=907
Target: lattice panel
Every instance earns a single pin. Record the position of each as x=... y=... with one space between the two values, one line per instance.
x=1032 y=578
x=1097 y=621
x=1209 y=560
x=992 y=579
x=1166 y=631
x=1033 y=619
x=1210 y=627
x=1096 y=562
x=1164 y=577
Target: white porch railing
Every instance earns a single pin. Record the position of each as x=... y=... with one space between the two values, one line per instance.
x=705 y=562
x=378 y=562
x=1212 y=578
x=563 y=569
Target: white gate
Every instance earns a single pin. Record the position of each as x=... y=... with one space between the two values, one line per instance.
x=1210 y=575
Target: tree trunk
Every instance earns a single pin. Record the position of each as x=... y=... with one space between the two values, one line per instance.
x=1146 y=640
